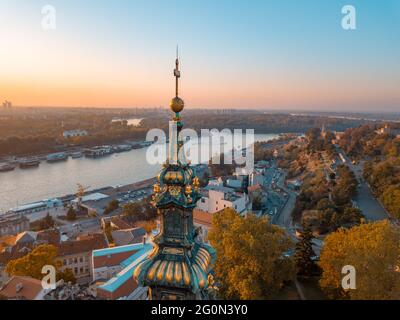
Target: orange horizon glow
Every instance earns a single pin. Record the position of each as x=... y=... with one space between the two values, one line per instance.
x=128 y=59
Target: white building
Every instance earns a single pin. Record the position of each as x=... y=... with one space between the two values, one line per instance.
x=218 y=198
x=7 y=104
x=256 y=178
x=37 y=206
x=12 y=223
x=389 y=130
x=74 y=133
x=216 y=183
x=113 y=269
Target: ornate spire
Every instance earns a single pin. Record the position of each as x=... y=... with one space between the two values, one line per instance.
x=179 y=266
x=177 y=103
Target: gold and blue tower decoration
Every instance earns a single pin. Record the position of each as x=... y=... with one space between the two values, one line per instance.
x=179 y=266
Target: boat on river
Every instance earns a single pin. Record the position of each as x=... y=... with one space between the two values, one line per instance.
x=55 y=157
x=5 y=166
x=27 y=163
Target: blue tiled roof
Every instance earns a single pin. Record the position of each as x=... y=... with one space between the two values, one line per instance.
x=129 y=265
x=115 y=250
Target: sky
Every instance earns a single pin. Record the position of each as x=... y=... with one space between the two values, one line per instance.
x=270 y=54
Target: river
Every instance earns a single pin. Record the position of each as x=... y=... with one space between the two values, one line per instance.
x=51 y=180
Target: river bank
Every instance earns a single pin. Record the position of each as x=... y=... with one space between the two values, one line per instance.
x=54 y=180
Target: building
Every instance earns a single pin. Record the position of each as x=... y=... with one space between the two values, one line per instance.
x=256 y=178
x=74 y=133
x=128 y=236
x=7 y=104
x=93 y=203
x=23 y=288
x=17 y=246
x=113 y=268
x=233 y=183
x=13 y=223
x=179 y=267
x=255 y=191
x=217 y=198
x=216 y=182
x=117 y=222
x=76 y=255
x=37 y=206
x=323 y=131
x=389 y=130
x=203 y=221
x=27 y=240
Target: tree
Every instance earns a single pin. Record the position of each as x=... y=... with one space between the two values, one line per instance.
x=373 y=250
x=71 y=214
x=47 y=222
x=133 y=209
x=257 y=202
x=352 y=215
x=391 y=200
x=305 y=264
x=140 y=210
x=251 y=261
x=32 y=263
x=112 y=206
x=150 y=211
x=67 y=275
x=108 y=233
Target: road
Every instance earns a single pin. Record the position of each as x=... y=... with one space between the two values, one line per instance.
x=365 y=200
x=284 y=217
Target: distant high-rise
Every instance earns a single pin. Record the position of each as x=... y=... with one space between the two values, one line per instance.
x=7 y=104
x=179 y=266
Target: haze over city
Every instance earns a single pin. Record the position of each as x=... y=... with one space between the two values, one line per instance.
x=266 y=54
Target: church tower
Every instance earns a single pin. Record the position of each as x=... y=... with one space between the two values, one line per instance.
x=179 y=266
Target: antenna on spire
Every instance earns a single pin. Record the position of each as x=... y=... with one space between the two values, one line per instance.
x=177 y=73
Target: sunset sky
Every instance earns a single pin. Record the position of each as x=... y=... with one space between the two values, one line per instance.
x=270 y=54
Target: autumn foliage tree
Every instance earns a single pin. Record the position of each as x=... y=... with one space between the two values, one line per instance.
x=251 y=262
x=67 y=275
x=373 y=250
x=304 y=257
x=71 y=214
x=31 y=264
x=391 y=200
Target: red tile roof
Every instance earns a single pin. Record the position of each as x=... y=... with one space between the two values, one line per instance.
x=112 y=259
x=29 y=288
x=120 y=223
x=202 y=217
x=83 y=244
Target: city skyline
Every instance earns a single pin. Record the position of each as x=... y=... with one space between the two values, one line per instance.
x=272 y=55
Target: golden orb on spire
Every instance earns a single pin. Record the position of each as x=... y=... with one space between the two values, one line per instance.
x=177 y=104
